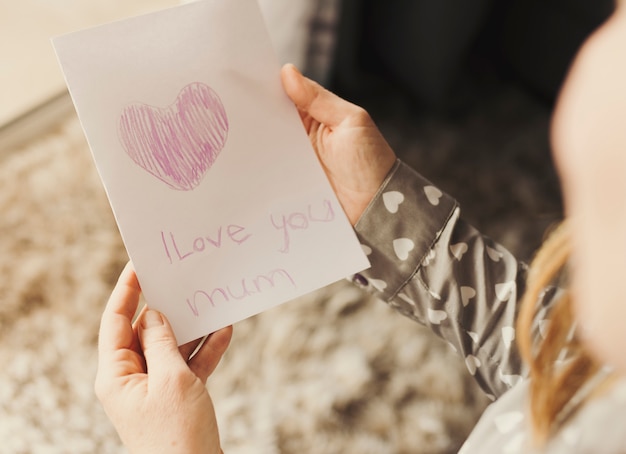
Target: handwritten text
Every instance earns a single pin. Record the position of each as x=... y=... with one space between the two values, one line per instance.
x=302 y=221
x=246 y=288
x=178 y=253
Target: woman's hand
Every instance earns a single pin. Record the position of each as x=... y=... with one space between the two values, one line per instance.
x=152 y=391
x=353 y=153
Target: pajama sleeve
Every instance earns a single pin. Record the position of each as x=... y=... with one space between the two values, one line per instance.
x=433 y=267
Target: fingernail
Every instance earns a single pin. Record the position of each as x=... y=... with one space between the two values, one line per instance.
x=151 y=319
x=295 y=69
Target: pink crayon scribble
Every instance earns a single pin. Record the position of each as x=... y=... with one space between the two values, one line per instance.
x=177 y=144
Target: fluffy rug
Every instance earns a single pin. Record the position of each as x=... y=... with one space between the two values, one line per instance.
x=334 y=371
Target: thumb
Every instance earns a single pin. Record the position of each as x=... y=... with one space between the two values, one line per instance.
x=159 y=345
x=310 y=97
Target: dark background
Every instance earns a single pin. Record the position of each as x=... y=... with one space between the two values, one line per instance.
x=463 y=91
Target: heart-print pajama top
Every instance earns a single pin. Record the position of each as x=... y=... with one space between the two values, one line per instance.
x=433 y=267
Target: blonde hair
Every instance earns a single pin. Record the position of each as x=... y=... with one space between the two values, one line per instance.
x=552 y=384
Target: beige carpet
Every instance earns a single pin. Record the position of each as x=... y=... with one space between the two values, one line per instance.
x=333 y=372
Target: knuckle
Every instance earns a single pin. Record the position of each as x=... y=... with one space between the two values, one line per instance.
x=179 y=379
x=361 y=116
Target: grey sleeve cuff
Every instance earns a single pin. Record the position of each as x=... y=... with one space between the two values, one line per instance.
x=399 y=228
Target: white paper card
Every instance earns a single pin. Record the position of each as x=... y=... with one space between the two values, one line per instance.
x=219 y=197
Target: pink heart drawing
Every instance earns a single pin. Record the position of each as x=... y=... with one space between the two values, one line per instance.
x=180 y=143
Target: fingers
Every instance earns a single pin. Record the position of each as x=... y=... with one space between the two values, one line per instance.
x=116 y=330
x=125 y=295
x=159 y=345
x=187 y=349
x=209 y=355
x=310 y=97
x=121 y=344
x=118 y=348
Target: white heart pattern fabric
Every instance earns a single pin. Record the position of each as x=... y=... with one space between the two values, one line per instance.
x=504 y=291
x=494 y=254
x=402 y=247
x=472 y=363
x=405 y=298
x=508 y=335
x=467 y=293
x=378 y=284
x=429 y=257
x=436 y=317
x=458 y=250
x=509 y=379
x=392 y=200
x=433 y=195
